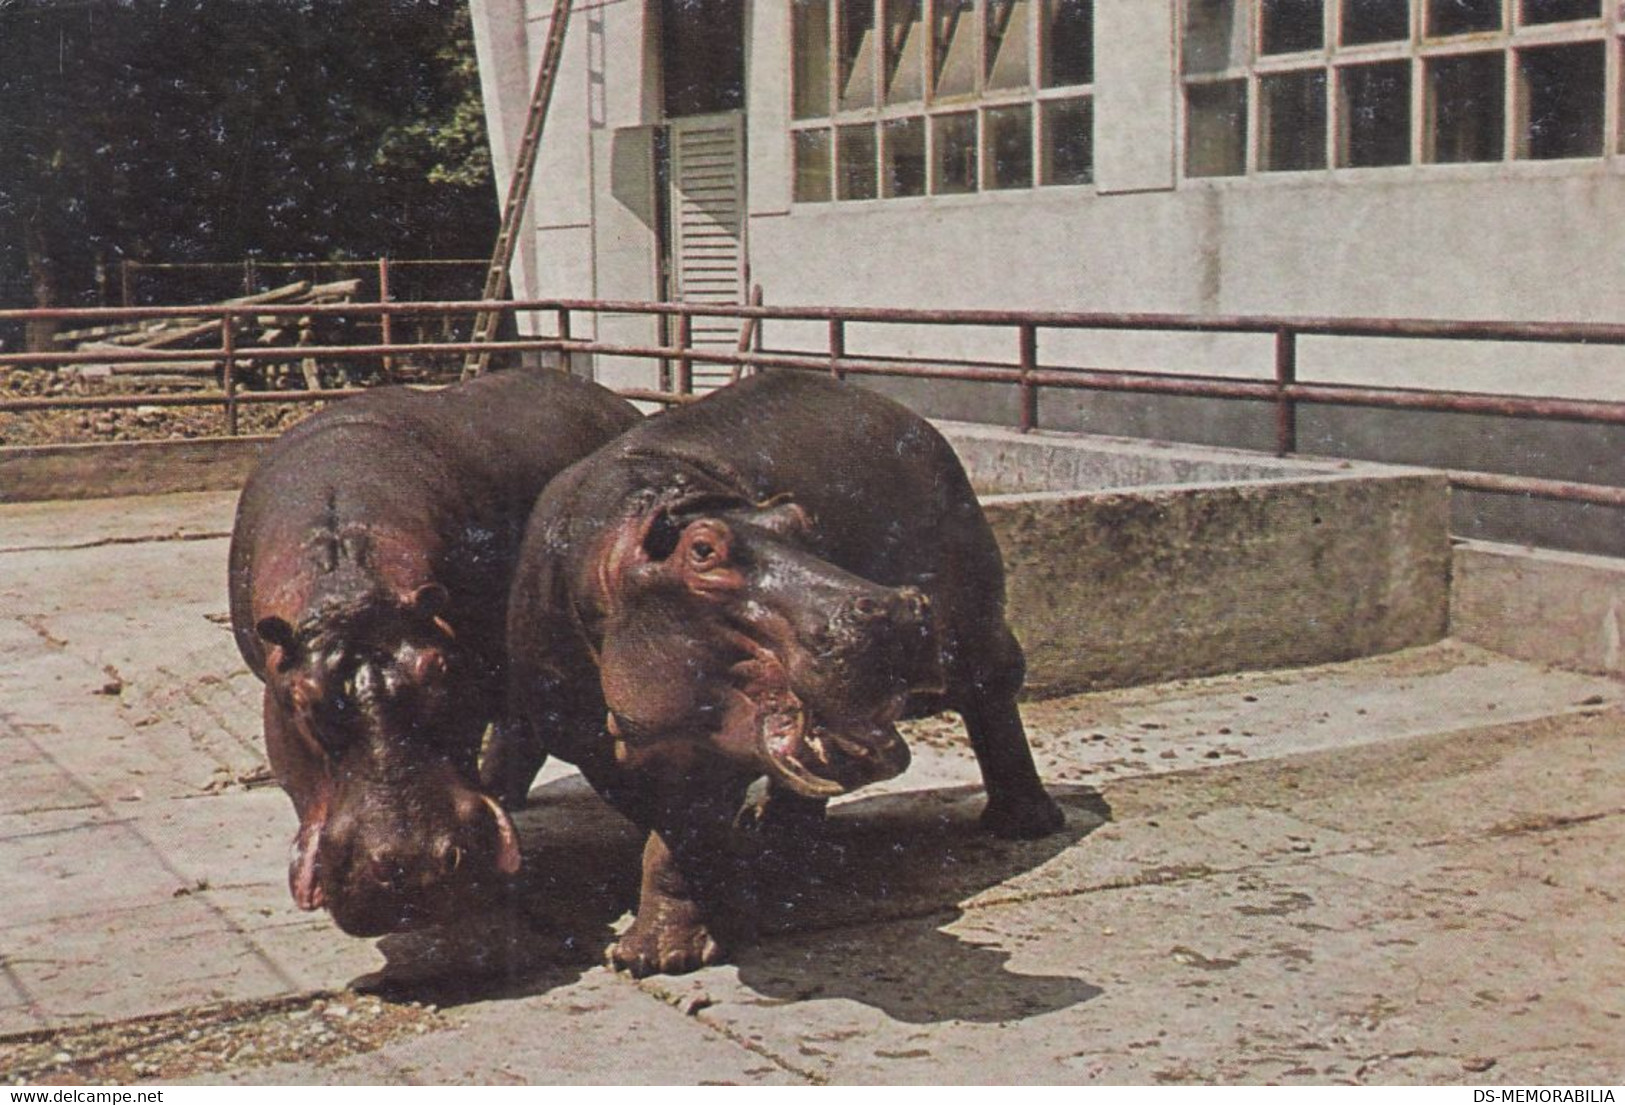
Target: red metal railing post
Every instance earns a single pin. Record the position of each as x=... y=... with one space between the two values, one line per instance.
x=1286 y=374
x=386 y=329
x=565 y=364
x=228 y=346
x=1029 y=365
x=837 y=347
x=685 y=365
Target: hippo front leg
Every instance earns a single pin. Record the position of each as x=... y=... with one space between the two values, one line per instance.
x=670 y=934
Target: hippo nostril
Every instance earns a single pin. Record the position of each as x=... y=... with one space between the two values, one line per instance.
x=450 y=857
x=867 y=608
x=385 y=869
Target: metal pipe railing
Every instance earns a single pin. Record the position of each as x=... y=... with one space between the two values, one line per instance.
x=1284 y=389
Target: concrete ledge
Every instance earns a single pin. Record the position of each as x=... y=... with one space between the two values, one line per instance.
x=107 y=469
x=1006 y=461
x=1132 y=562
x=1113 y=589
x=1559 y=608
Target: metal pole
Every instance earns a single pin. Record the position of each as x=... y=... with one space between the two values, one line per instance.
x=1286 y=374
x=124 y=282
x=228 y=346
x=566 y=358
x=1029 y=390
x=685 y=365
x=837 y=347
x=386 y=327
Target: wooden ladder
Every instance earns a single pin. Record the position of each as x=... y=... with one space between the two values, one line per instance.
x=513 y=207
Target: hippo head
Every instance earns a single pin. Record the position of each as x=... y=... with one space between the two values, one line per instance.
x=378 y=745
x=723 y=627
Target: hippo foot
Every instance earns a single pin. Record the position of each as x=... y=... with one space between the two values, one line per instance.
x=1023 y=819
x=669 y=945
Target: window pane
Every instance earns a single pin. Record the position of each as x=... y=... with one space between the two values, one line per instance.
x=810 y=75
x=1560 y=93
x=857 y=54
x=1292 y=121
x=1459 y=17
x=1009 y=24
x=953 y=39
x=1009 y=147
x=904 y=172
x=1376 y=114
x=905 y=57
x=1560 y=11
x=1216 y=129
x=1215 y=36
x=1375 y=21
x=954 y=164
x=856 y=157
x=1466 y=110
x=1287 y=26
x=812 y=166
x=1068 y=142
x=1068 y=42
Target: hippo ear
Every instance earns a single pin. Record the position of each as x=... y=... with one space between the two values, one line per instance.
x=430 y=600
x=274 y=631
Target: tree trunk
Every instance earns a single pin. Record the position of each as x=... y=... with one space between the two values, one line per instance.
x=42 y=275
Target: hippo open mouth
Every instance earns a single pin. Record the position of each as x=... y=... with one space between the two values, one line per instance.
x=821 y=758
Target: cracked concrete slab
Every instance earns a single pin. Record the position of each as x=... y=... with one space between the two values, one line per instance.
x=1404 y=869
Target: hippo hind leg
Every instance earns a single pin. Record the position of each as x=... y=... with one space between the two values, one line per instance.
x=1018 y=807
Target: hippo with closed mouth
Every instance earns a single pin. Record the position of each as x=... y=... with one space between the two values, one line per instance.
x=759 y=585
x=370 y=564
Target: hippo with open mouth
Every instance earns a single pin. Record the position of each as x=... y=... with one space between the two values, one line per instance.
x=757 y=586
x=369 y=571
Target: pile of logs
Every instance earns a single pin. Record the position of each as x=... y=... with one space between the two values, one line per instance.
x=200 y=333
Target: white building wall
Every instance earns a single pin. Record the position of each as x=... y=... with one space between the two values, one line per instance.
x=1503 y=241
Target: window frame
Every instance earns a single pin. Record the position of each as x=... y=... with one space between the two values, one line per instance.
x=928 y=107
x=1418 y=50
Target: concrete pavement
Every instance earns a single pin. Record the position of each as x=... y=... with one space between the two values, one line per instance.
x=1404 y=869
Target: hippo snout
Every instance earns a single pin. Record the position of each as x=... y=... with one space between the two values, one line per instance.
x=392 y=871
x=886 y=636
x=396 y=868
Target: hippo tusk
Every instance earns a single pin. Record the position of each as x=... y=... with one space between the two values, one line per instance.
x=303 y=865
x=508 y=856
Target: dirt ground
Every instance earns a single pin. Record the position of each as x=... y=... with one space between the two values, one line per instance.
x=144 y=423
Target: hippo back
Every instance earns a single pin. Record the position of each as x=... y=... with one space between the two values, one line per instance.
x=458 y=469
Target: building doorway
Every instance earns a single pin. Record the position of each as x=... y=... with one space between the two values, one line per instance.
x=701 y=167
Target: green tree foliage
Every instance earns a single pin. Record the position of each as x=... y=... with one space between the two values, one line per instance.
x=217 y=130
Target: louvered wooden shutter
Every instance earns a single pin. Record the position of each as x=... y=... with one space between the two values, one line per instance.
x=708 y=227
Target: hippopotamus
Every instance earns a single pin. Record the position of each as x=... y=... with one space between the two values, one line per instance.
x=740 y=598
x=370 y=562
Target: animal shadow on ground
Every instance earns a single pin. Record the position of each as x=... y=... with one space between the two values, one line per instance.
x=862 y=914
x=857 y=911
